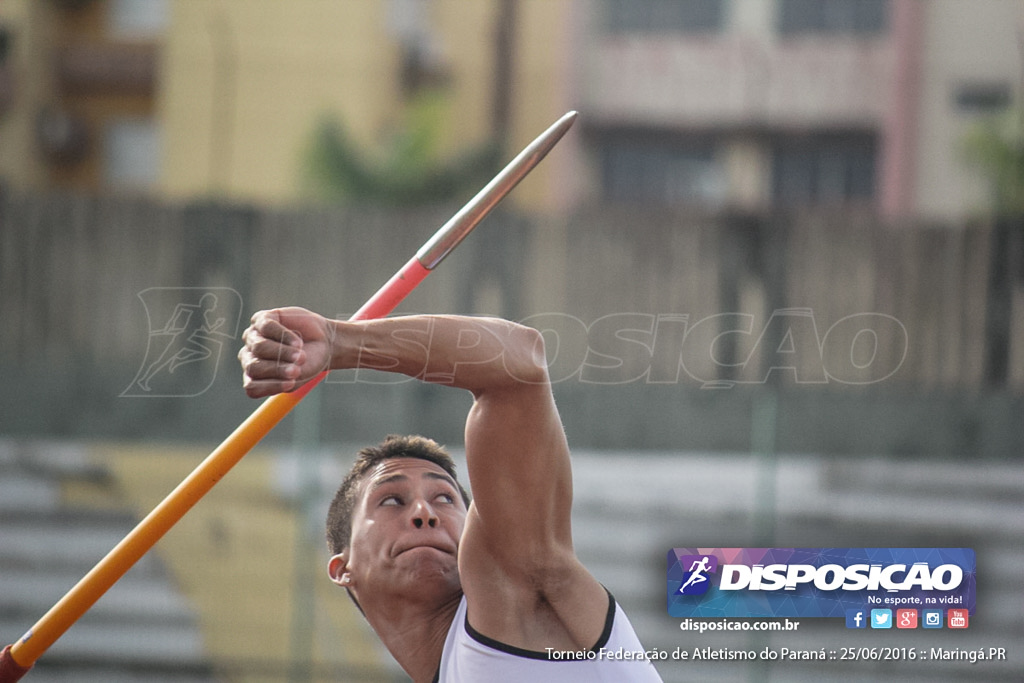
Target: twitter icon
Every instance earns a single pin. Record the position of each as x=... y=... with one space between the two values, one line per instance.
x=881 y=618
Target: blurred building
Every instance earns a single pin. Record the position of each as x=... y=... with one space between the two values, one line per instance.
x=720 y=103
x=247 y=83
x=754 y=103
x=188 y=97
x=78 y=95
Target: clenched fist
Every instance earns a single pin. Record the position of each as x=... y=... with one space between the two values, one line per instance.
x=284 y=349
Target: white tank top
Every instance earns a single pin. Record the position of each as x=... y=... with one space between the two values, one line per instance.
x=617 y=657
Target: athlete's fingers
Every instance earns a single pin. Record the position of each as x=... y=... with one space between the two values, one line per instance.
x=261 y=388
x=257 y=368
x=262 y=377
x=268 y=325
x=262 y=347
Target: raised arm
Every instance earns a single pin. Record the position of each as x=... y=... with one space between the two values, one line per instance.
x=286 y=347
x=522 y=580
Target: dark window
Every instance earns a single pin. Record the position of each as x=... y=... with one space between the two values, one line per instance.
x=824 y=169
x=832 y=16
x=659 y=170
x=5 y=43
x=663 y=16
x=982 y=98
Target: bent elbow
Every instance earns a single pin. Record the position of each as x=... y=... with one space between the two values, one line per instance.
x=527 y=362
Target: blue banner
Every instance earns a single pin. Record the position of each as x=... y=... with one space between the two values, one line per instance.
x=818 y=582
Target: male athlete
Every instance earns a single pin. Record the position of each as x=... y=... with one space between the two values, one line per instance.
x=492 y=591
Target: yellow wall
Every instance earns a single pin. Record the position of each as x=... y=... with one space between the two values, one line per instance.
x=30 y=23
x=244 y=83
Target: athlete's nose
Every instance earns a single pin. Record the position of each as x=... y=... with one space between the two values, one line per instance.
x=422 y=514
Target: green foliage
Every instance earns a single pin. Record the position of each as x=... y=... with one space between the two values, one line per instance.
x=409 y=171
x=996 y=144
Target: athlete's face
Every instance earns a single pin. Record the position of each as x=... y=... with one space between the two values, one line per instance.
x=405 y=533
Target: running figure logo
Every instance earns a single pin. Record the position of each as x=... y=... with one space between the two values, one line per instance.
x=695 y=580
x=189 y=328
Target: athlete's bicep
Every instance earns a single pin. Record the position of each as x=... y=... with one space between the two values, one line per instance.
x=522 y=579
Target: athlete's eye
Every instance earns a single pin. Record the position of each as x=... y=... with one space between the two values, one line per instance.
x=391 y=500
x=447 y=497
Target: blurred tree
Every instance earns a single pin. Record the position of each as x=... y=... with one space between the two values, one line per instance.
x=410 y=170
x=502 y=96
x=996 y=145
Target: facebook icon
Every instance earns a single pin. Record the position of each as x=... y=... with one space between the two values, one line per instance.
x=856 y=618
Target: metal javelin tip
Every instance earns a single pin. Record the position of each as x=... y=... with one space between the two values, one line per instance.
x=467 y=218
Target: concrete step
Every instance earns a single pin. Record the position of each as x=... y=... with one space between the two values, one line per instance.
x=804 y=488
x=66 y=538
x=120 y=643
x=142 y=629
x=53 y=458
x=20 y=491
x=78 y=673
x=987 y=480
x=135 y=597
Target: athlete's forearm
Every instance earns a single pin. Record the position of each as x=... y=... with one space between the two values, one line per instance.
x=477 y=354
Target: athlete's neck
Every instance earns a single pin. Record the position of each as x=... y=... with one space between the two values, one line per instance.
x=415 y=633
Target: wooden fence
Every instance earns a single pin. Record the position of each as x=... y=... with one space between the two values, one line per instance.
x=624 y=295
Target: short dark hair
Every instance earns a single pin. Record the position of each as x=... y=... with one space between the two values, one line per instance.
x=339 y=514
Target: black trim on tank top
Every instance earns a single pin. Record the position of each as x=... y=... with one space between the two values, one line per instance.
x=606 y=633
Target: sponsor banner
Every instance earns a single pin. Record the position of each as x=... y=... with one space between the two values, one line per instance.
x=818 y=582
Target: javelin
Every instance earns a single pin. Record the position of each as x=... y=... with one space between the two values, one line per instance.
x=19 y=657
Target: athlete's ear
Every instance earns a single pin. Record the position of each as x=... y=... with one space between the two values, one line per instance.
x=337 y=569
